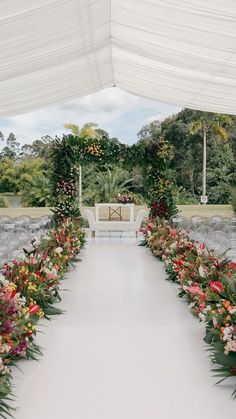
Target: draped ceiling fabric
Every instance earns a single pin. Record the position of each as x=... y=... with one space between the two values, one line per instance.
x=181 y=52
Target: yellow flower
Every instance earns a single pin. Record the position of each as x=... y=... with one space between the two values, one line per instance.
x=11 y=287
x=31 y=287
x=40 y=313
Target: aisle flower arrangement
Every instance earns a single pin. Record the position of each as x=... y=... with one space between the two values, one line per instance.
x=29 y=289
x=207 y=282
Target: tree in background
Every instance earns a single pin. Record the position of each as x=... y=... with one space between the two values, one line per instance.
x=206 y=123
x=149 y=132
x=188 y=162
x=9 y=176
x=16 y=175
x=37 y=192
x=39 y=148
x=12 y=147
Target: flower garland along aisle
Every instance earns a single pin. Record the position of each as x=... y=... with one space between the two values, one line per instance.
x=207 y=282
x=29 y=288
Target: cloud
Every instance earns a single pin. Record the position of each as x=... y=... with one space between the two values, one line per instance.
x=120 y=113
x=158 y=117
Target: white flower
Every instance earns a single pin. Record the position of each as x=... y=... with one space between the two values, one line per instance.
x=201 y=316
x=230 y=347
x=58 y=250
x=201 y=271
x=227 y=333
x=214 y=321
x=3 y=280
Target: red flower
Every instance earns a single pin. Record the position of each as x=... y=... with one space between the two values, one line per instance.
x=13 y=293
x=232 y=265
x=216 y=286
x=33 y=309
x=179 y=262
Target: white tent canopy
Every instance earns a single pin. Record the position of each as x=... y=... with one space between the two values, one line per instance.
x=181 y=52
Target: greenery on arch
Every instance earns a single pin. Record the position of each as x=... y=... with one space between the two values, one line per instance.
x=71 y=151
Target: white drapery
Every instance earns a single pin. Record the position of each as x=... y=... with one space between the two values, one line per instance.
x=175 y=51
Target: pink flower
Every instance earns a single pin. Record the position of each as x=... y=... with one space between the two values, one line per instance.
x=202 y=305
x=194 y=289
x=202 y=246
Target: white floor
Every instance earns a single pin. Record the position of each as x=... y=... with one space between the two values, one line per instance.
x=127 y=348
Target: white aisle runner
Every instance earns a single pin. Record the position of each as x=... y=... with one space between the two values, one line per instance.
x=127 y=348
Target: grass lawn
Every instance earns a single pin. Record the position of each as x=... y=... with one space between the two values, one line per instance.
x=12 y=199
x=206 y=210
x=32 y=212
x=186 y=211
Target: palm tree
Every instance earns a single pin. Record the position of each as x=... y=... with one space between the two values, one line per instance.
x=108 y=184
x=206 y=123
x=37 y=193
x=88 y=130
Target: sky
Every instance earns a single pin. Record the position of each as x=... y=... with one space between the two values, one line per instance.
x=119 y=113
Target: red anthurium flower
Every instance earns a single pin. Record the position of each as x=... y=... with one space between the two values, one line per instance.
x=216 y=286
x=232 y=265
x=33 y=309
x=13 y=293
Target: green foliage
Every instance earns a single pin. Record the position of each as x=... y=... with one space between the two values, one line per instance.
x=37 y=192
x=9 y=176
x=233 y=199
x=38 y=149
x=159 y=179
x=107 y=185
x=16 y=175
x=65 y=177
x=3 y=202
x=185 y=198
x=72 y=151
x=188 y=162
x=12 y=147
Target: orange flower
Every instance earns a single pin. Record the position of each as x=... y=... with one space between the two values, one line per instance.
x=221 y=310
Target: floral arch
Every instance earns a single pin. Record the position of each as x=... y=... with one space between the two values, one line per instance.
x=72 y=151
